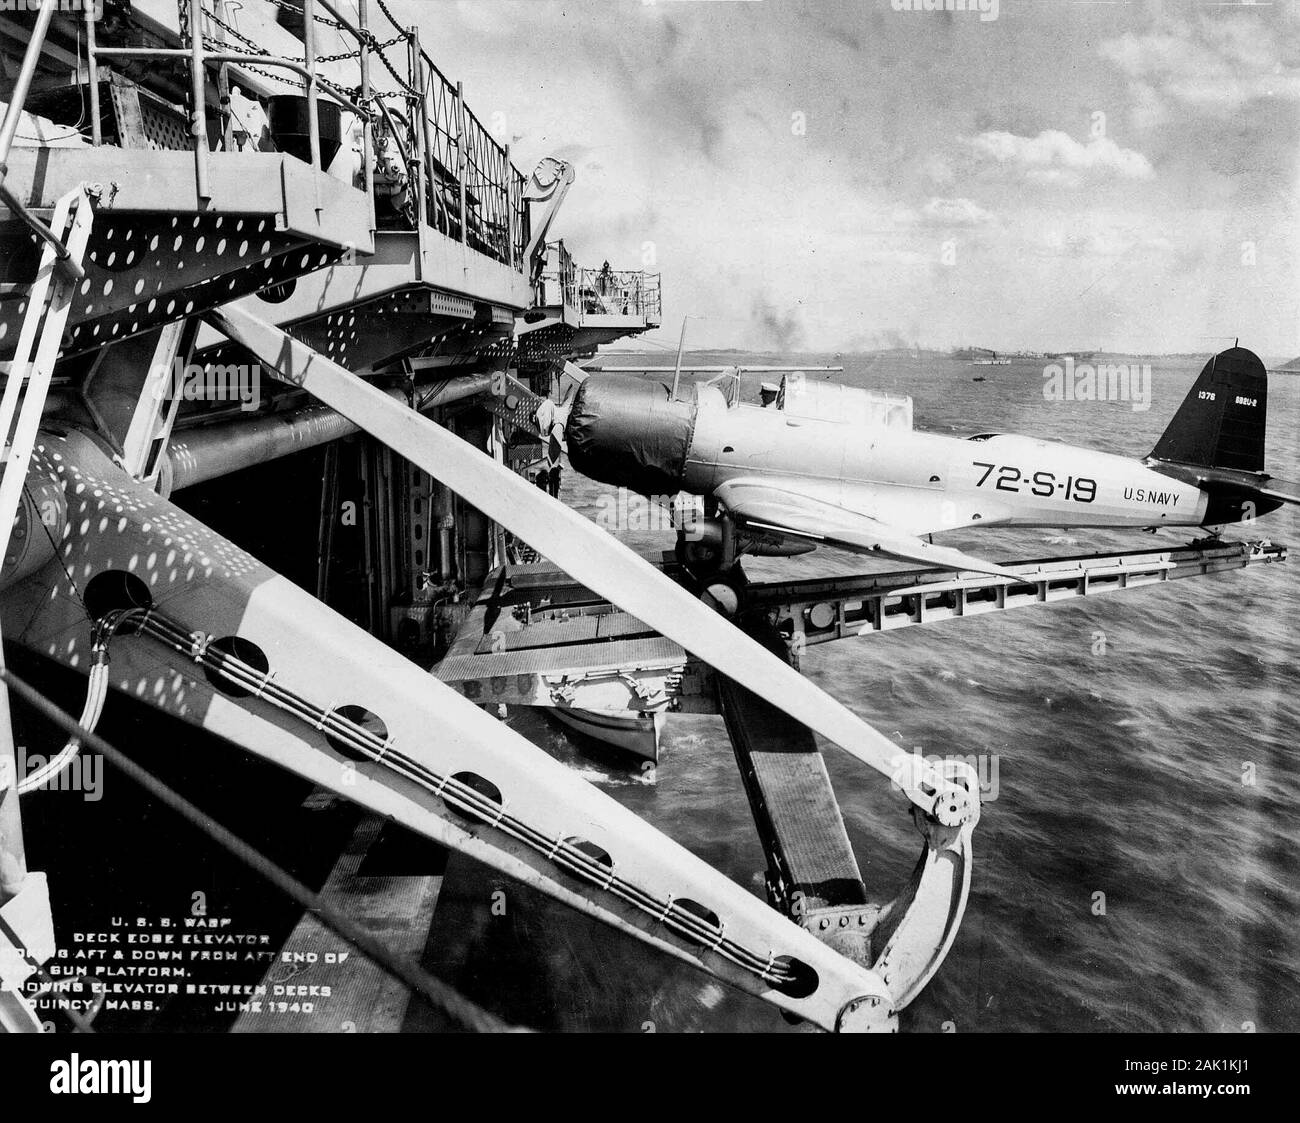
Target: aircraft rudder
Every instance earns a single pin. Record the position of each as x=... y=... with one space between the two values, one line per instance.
x=1221 y=422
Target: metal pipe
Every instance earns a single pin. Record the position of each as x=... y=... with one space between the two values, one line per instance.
x=92 y=76
x=213 y=451
x=462 y=157
x=344 y=22
x=325 y=529
x=39 y=523
x=199 y=101
x=42 y=231
x=23 y=83
x=13 y=856
x=367 y=133
x=445 y=569
x=510 y=210
x=31 y=547
x=217 y=450
x=223 y=80
x=419 y=139
x=309 y=57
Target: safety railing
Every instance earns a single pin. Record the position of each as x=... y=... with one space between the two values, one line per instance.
x=615 y=292
x=9 y=130
x=598 y=292
x=472 y=191
x=652 y=298
x=199 y=57
x=425 y=157
x=555 y=285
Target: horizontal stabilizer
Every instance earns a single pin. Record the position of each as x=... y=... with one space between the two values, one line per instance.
x=1283 y=490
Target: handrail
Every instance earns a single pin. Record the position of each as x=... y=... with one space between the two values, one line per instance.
x=465 y=182
x=9 y=130
x=199 y=58
x=490 y=189
x=14 y=112
x=601 y=292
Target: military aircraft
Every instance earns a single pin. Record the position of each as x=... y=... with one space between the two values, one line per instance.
x=828 y=464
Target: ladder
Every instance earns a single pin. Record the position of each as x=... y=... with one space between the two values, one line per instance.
x=27 y=381
x=26 y=931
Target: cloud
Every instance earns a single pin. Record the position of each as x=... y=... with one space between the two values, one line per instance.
x=1217 y=65
x=954 y=212
x=900 y=257
x=1054 y=157
x=1101 y=243
x=841 y=229
x=937 y=169
x=1095 y=234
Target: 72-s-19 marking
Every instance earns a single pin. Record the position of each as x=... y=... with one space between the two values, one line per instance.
x=1044 y=484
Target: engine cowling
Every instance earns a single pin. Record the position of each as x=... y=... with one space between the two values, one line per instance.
x=626 y=431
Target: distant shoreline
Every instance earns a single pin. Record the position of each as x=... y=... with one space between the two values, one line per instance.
x=666 y=356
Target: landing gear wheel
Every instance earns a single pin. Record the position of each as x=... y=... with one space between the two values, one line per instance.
x=717 y=581
x=722 y=597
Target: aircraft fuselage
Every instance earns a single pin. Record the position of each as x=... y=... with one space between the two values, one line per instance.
x=925 y=482
x=826 y=463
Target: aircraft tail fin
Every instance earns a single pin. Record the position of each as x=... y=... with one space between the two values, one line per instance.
x=1221 y=421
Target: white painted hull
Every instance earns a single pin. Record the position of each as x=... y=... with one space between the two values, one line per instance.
x=630 y=730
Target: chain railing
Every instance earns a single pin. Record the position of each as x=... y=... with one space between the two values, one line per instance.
x=475 y=193
x=435 y=163
x=192 y=16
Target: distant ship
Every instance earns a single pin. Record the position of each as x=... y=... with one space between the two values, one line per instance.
x=980 y=356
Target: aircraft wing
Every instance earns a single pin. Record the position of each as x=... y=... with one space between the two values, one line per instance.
x=780 y=508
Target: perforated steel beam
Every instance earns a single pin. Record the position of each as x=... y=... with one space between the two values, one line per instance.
x=142 y=272
x=196 y=577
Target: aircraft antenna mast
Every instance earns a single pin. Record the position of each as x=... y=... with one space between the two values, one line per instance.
x=677 y=370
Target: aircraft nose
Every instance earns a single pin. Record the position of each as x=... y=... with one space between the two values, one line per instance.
x=625 y=431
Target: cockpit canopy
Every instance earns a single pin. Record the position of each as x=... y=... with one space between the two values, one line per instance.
x=800 y=396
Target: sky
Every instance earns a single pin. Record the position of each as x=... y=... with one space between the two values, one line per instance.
x=844 y=175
